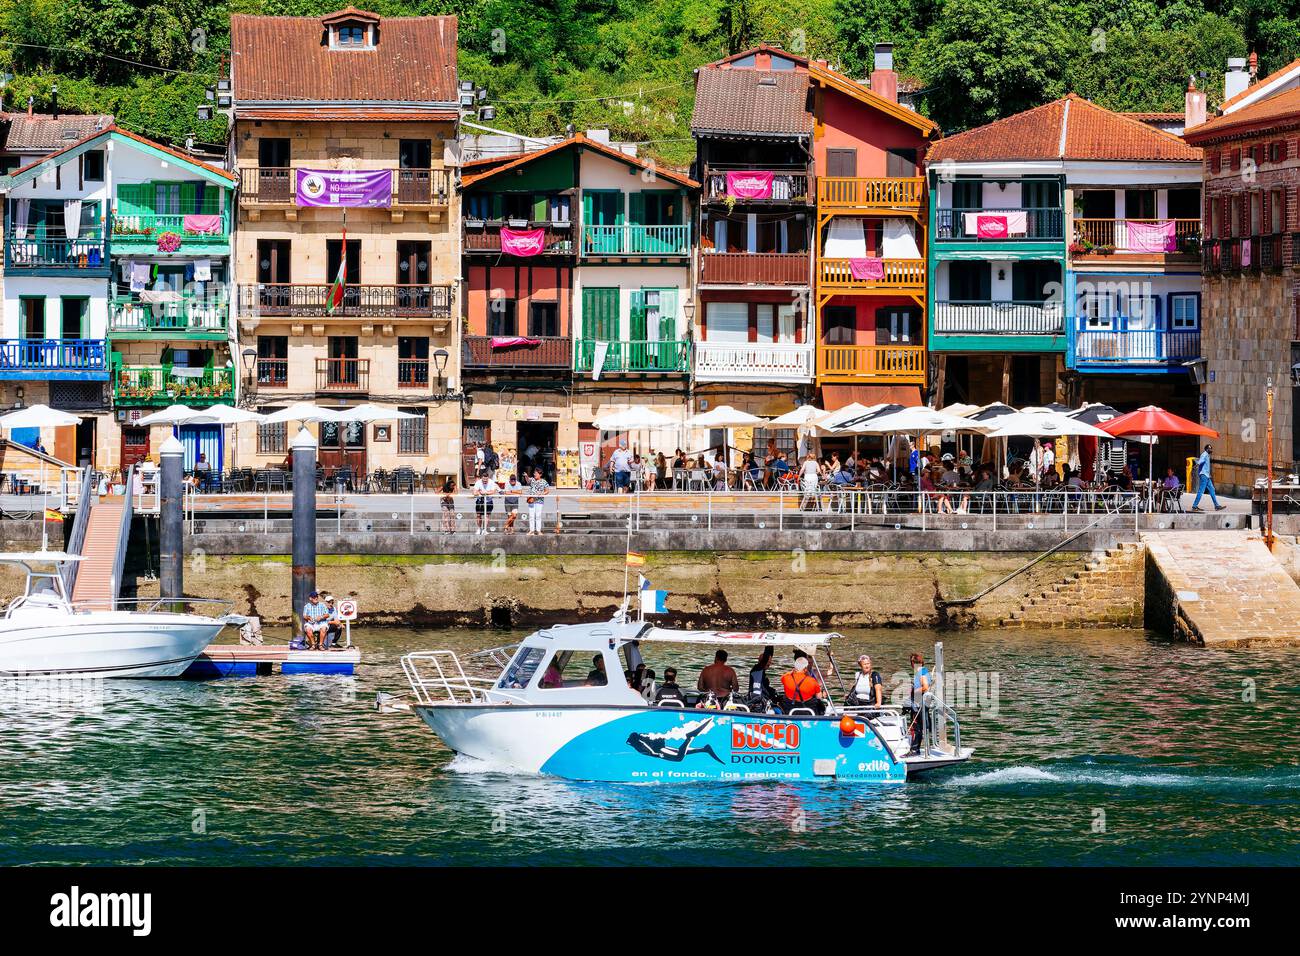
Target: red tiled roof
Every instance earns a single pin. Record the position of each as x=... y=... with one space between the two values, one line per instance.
x=1280 y=109
x=1155 y=117
x=351 y=114
x=288 y=58
x=1071 y=128
x=752 y=101
x=504 y=163
x=1254 y=87
x=225 y=174
x=42 y=131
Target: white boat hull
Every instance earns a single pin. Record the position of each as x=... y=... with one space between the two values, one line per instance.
x=103 y=644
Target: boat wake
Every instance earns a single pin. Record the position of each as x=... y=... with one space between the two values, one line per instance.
x=1093 y=776
x=473 y=766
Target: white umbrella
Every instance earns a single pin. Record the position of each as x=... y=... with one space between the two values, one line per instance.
x=215 y=415
x=634 y=419
x=724 y=416
x=371 y=413
x=303 y=412
x=957 y=408
x=917 y=420
x=1041 y=425
x=37 y=416
x=803 y=415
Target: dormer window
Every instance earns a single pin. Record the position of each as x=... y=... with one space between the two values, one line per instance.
x=352 y=35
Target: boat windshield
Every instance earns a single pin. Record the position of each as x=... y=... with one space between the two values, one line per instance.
x=519 y=673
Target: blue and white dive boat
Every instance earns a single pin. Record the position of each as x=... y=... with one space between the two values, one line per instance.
x=542 y=713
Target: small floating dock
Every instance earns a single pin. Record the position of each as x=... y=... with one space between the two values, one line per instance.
x=250 y=660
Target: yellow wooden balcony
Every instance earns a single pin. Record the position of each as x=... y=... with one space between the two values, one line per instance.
x=905 y=276
x=862 y=195
x=893 y=364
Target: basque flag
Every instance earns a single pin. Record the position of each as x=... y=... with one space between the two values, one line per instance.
x=652 y=601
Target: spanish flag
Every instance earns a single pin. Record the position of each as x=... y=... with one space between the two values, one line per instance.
x=635 y=559
x=52 y=515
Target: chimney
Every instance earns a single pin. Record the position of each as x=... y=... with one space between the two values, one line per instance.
x=1194 y=106
x=54 y=91
x=1236 y=80
x=31 y=105
x=884 y=81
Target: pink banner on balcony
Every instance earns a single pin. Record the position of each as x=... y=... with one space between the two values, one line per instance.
x=513 y=341
x=523 y=242
x=867 y=269
x=1245 y=253
x=749 y=185
x=1151 y=236
x=999 y=225
x=202 y=225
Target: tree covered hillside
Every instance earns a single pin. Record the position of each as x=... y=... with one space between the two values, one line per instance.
x=627 y=64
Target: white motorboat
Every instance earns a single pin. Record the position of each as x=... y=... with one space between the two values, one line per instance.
x=528 y=707
x=43 y=634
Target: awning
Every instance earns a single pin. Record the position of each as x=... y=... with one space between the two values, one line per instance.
x=835 y=397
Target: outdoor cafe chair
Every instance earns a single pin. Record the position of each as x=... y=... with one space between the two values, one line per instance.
x=600 y=480
x=403 y=479
x=696 y=480
x=751 y=480
x=378 y=481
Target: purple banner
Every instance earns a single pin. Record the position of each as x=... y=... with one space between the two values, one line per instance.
x=344 y=187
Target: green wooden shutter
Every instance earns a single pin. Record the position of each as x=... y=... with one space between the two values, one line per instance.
x=131 y=199
x=541 y=211
x=620 y=200
x=637 y=330
x=636 y=208
x=668 y=315
x=189 y=198
x=498 y=206
x=587 y=218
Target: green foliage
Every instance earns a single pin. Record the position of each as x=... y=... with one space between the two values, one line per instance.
x=628 y=64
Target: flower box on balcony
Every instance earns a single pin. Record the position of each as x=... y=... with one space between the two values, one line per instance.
x=517 y=223
x=475 y=223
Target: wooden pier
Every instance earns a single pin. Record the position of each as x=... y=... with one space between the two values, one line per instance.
x=248 y=660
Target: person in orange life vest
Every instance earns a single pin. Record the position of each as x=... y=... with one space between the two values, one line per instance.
x=801 y=689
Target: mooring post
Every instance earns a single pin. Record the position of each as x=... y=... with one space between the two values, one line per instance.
x=171 y=520
x=303 y=449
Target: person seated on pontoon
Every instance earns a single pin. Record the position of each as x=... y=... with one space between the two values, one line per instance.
x=868 y=689
x=718 y=678
x=596 y=676
x=801 y=689
x=315 y=621
x=669 y=690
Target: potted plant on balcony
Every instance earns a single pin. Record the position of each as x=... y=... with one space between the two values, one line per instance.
x=169 y=242
x=517 y=223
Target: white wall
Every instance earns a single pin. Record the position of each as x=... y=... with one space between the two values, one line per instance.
x=18 y=287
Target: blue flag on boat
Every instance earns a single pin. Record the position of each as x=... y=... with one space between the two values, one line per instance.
x=652 y=601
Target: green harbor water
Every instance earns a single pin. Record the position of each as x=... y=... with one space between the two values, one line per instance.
x=1102 y=747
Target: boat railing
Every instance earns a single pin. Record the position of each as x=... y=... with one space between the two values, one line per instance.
x=438 y=677
x=207 y=607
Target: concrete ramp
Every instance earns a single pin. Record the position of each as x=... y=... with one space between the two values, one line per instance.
x=1220 y=589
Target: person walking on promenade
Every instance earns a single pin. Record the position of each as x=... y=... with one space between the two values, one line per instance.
x=537 y=491
x=1204 y=482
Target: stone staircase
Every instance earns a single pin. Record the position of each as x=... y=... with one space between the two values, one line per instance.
x=1108 y=592
x=1222 y=589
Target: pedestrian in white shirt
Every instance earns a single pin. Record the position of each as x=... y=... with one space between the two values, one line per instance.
x=484 y=490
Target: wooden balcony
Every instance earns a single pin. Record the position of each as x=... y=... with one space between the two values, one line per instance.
x=962 y=225
x=484 y=237
x=906 y=276
x=413 y=373
x=1128 y=237
x=152 y=385
x=754 y=268
x=791 y=185
x=841 y=194
x=184 y=317
x=899 y=364
x=342 y=375
x=359 y=301
x=139 y=233
x=753 y=362
x=53 y=360
x=276 y=186
x=479 y=353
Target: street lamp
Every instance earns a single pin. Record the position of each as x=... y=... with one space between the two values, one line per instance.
x=249 y=358
x=440 y=357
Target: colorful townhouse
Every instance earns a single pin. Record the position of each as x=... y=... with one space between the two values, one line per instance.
x=811 y=268
x=117 y=269
x=1064 y=260
x=578 y=286
x=344 y=126
x=1251 y=262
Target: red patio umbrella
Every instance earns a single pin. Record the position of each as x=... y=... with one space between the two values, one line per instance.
x=1149 y=421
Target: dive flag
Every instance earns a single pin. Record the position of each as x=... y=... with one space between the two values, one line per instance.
x=652 y=601
x=635 y=559
x=334 y=299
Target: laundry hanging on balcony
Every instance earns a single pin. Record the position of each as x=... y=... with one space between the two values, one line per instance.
x=202 y=225
x=846 y=239
x=140 y=272
x=72 y=218
x=22 y=210
x=522 y=242
x=1150 y=236
x=899 y=241
x=999 y=225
